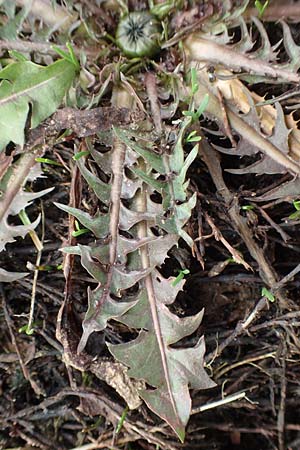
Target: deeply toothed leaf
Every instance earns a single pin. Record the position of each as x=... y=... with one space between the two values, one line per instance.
x=97 y=224
x=131 y=290
x=101 y=189
x=22 y=200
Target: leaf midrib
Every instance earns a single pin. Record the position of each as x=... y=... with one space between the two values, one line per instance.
x=25 y=92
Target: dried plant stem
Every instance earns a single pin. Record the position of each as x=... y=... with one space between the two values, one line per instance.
x=35 y=276
x=283 y=392
x=245 y=130
x=226 y=369
x=27 y=46
x=200 y=49
x=210 y=157
x=276 y=12
x=217 y=403
x=25 y=371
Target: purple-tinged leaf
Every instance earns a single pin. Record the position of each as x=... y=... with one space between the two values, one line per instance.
x=123 y=279
x=101 y=189
x=101 y=309
x=288 y=191
x=95 y=269
x=97 y=224
x=129 y=218
x=154 y=160
x=185 y=367
x=129 y=257
x=129 y=187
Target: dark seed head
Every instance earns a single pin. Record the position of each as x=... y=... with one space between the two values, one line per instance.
x=138 y=33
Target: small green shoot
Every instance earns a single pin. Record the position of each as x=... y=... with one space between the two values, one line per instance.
x=48 y=161
x=121 y=421
x=79 y=231
x=231 y=260
x=268 y=294
x=96 y=424
x=34 y=237
x=180 y=276
x=194 y=81
x=48 y=268
x=86 y=379
x=192 y=137
x=79 y=155
x=247 y=207
x=296 y=215
x=26 y=329
x=68 y=56
x=195 y=115
x=261 y=7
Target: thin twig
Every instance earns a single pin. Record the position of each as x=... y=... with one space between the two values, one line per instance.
x=239 y=329
x=281 y=411
x=276 y=12
x=25 y=371
x=27 y=46
x=217 y=403
x=211 y=159
x=276 y=227
x=200 y=49
x=35 y=276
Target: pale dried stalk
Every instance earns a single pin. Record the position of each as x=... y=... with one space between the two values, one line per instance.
x=242 y=128
x=200 y=49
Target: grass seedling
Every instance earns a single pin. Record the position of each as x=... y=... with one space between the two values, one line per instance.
x=79 y=155
x=194 y=81
x=48 y=161
x=68 y=56
x=192 y=137
x=29 y=330
x=247 y=207
x=79 y=231
x=195 y=115
x=261 y=7
x=121 y=421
